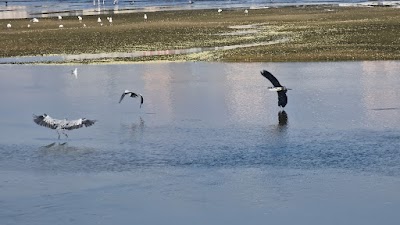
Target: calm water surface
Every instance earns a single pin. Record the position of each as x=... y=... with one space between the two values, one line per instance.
x=209 y=145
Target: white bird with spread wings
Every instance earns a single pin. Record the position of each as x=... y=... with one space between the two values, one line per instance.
x=62 y=125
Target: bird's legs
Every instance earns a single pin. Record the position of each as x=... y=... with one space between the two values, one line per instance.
x=58 y=134
x=64 y=133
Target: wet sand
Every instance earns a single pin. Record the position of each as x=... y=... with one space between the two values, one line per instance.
x=314 y=33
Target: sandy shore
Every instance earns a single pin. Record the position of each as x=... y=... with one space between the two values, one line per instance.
x=312 y=33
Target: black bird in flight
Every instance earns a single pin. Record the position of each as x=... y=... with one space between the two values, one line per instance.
x=282 y=97
x=132 y=95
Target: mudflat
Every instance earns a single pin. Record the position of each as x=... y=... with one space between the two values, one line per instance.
x=309 y=33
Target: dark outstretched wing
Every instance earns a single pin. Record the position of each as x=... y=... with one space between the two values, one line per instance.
x=282 y=98
x=75 y=124
x=122 y=97
x=88 y=123
x=45 y=120
x=141 y=101
x=271 y=78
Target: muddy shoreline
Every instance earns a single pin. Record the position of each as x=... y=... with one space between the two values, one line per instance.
x=315 y=33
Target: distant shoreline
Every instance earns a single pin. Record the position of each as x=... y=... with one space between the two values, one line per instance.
x=314 y=33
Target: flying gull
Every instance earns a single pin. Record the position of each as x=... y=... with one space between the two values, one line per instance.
x=62 y=125
x=132 y=95
x=282 y=97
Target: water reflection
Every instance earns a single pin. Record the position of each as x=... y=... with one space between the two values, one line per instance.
x=382 y=100
x=134 y=130
x=282 y=118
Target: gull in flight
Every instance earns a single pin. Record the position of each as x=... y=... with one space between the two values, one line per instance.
x=62 y=125
x=281 y=90
x=132 y=95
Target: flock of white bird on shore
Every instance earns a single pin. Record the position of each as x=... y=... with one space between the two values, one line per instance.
x=99 y=21
x=80 y=19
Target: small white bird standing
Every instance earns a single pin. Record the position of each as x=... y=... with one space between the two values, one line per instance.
x=84 y=25
x=75 y=73
x=99 y=20
x=246 y=12
x=219 y=10
x=110 y=19
x=145 y=17
x=60 y=26
x=132 y=95
x=9 y=25
x=80 y=18
x=35 y=20
x=60 y=17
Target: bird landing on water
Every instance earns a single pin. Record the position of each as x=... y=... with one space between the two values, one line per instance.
x=62 y=125
x=132 y=95
x=281 y=90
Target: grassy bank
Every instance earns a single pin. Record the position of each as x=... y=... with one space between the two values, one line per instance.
x=314 y=34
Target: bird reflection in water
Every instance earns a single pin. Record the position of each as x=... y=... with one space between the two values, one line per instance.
x=282 y=118
x=282 y=121
x=134 y=130
x=138 y=127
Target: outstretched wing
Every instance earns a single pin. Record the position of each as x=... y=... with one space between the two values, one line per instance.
x=271 y=78
x=75 y=124
x=141 y=101
x=88 y=123
x=122 y=97
x=282 y=98
x=46 y=121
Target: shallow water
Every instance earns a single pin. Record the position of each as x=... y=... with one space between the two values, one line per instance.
x=209 y=145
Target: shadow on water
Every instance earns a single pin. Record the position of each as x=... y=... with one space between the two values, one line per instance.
x=382 y=109
x=61 y=145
